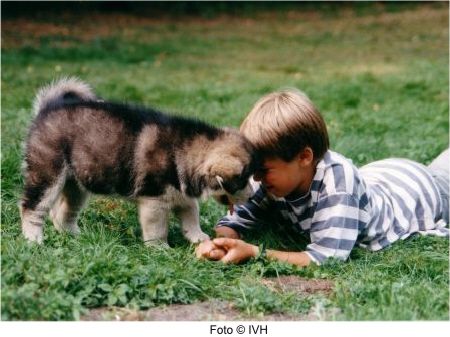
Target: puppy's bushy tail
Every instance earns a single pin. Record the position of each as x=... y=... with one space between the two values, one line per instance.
x=64 y=89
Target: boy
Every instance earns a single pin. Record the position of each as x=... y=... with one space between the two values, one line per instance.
x=320 y=192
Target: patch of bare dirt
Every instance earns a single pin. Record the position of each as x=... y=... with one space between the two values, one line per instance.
x=298 y=285
x=202 y=311
x=215 y=310
x=209 y=310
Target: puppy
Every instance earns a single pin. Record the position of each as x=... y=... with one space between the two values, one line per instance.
x=78 y=144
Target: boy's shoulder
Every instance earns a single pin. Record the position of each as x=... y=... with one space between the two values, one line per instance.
x=338 y=174
x=332 y=159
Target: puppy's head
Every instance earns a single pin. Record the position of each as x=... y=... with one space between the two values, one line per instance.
x=229 y=168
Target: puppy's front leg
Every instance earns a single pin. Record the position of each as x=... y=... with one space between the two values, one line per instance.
x=153 y=217
x=190 y=221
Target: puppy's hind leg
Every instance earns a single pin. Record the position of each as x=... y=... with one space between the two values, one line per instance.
x=64 y=213
x=154 y=217
x=190 y=221
x=38 y=198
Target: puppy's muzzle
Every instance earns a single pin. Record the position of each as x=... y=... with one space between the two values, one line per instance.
x=228 y=199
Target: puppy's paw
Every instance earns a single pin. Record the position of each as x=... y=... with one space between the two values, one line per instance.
x=197 y=237
x=157 y=244
x=33 y=233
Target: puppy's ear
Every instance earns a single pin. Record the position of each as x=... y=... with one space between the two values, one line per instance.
x=218 y=169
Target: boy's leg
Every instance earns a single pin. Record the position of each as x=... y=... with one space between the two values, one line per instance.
x=441 y=162
x=439 y=168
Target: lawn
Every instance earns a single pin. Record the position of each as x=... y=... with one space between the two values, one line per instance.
x=379 y=75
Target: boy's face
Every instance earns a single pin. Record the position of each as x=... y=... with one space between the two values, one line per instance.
x=281 y=178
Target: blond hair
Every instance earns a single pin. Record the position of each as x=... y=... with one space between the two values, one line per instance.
x=283 y=123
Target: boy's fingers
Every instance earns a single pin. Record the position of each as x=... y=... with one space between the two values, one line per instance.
x=224 y=242
x=200 y=253
x=226 y=258
x=204 y=248
x=230 y=257
x=216 y=254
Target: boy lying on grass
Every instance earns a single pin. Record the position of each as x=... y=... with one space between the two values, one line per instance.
x=320 y=192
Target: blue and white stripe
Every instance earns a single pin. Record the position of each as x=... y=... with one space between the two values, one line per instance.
x=372 y=207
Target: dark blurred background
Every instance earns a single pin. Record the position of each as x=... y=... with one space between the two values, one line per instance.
x=206 y=9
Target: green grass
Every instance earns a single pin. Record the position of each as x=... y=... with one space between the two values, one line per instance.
x=381 y=82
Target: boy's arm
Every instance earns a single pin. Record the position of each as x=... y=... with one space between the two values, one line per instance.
x=226 y=232
x=238 y=251
x=300 y=259
x=336 y=225
x=248 y=216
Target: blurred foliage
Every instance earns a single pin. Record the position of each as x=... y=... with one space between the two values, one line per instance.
x=205 y=9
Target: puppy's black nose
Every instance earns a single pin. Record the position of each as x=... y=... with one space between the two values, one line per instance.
x=224 y=200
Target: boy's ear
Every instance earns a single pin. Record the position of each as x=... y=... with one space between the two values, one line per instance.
x=306 y=156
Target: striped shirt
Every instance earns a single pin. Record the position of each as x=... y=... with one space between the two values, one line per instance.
x=371 y=207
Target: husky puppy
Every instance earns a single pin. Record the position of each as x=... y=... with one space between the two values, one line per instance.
x=78 y=144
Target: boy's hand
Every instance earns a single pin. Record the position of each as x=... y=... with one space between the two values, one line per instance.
x=236 y=250
x=208 y=250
